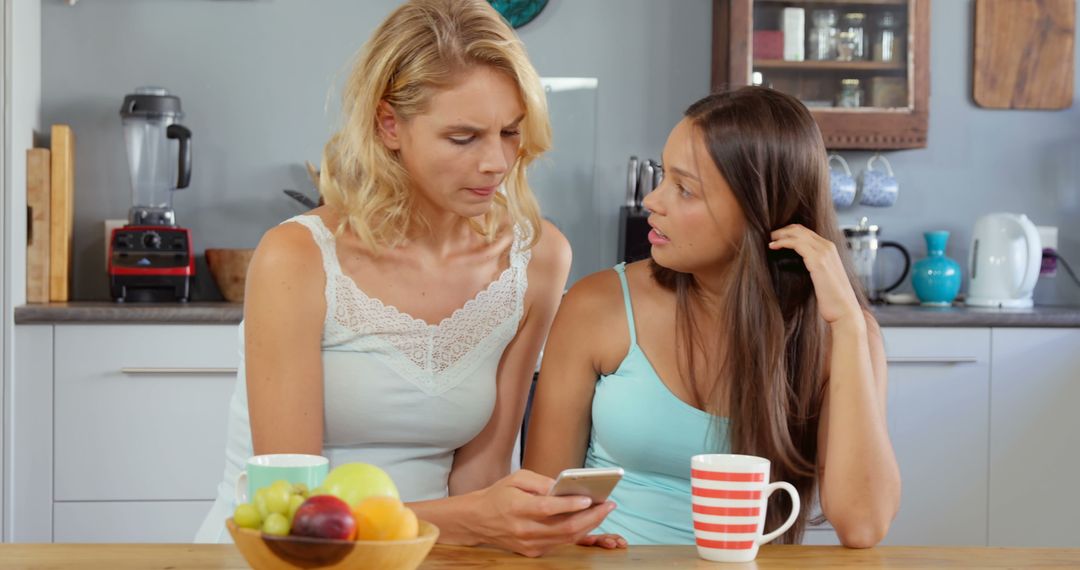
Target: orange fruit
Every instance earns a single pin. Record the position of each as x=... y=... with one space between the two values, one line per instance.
x=384 y=518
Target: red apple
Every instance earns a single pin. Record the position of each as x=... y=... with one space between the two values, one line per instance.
x=324 y=516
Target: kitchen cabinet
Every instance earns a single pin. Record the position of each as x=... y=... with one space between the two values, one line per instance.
x=1034 y=437
x=867 y=98
x=120 y=430
x=115 y=433
x=939 y=392
x=939 y=389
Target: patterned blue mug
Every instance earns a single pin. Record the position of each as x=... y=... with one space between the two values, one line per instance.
x=841 y=184
x=879 y=188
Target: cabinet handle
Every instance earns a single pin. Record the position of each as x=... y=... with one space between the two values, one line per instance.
x=137 y=371
x=931 y=360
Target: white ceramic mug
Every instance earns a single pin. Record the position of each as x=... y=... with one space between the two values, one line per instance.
x=879 y=188
x=729 y=497
x=841 y=184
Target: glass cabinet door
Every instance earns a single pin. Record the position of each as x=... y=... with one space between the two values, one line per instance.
x=834 y=54
x=861 y=66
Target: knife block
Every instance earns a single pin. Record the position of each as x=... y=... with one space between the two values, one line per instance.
x=633 y=234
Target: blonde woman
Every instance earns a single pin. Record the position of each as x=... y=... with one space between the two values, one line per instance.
x=400 y=323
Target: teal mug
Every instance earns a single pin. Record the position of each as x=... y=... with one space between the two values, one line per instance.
x=262 y=470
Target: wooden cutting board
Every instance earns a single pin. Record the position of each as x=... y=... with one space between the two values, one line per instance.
x=1024 y=53
x=38 y=194
x=62 y=211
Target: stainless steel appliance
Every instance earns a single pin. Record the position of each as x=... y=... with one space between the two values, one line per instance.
x=642 y=177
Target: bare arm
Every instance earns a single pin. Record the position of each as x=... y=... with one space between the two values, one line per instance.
x=562 y=406
x=860 y=480
x=283 y=318
x=486 y=458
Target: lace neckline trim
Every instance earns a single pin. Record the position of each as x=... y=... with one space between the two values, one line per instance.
x=402 y=317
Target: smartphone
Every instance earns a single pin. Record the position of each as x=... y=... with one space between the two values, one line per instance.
x=595 y=483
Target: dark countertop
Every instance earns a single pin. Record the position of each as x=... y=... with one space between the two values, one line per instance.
x=110 y=312
x=231 y=313
x=960 y=316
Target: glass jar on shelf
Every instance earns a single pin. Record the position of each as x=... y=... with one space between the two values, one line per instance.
x=851 y=94
x=850 y=41
x=821 y=44
x=887 y=38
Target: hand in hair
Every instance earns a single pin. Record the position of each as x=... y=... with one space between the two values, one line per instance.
x=835 y=295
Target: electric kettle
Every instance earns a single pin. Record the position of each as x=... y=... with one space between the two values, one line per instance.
x=1004 y=261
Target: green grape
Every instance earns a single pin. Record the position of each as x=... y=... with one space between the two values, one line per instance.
x=259 y=500
x=277 y=497
x=300 y=489
x=247 y=516
x=294 y=503
x=276 y=524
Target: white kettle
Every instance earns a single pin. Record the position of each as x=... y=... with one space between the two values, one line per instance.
x=1004 y=261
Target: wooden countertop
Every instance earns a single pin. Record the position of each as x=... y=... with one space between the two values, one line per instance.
x=189 y=556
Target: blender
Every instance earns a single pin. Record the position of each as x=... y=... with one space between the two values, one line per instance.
x=150 y=258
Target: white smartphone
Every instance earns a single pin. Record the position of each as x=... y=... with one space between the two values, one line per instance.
x=595 y=482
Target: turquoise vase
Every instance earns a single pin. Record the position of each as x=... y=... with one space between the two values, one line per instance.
x=936 y=277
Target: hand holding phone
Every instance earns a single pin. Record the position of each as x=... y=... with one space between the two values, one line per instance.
x=595 y=482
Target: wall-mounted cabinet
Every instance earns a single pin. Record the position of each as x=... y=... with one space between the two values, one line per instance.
x=861 y=66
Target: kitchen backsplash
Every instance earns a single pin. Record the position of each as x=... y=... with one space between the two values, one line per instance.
x=260 y=91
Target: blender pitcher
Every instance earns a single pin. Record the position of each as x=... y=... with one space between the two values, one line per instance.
x=159 y=154
x=863 y=243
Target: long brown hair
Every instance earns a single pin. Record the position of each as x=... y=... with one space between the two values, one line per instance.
x=774 y=353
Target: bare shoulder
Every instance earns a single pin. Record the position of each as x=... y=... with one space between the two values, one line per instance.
x=287 y=269
x=642 y=285
x=552 y=252
x=285 y=248
x=594 y=302
x=549 y=265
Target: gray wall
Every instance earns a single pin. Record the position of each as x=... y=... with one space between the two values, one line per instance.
x=259 y=80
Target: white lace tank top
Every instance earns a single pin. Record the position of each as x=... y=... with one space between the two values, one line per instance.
x=398 y=392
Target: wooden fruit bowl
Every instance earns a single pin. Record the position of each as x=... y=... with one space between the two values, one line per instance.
x=229 y=268
x=267 y=552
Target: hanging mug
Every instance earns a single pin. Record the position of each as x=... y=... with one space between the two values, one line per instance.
x=879 y=188
x=841 y=184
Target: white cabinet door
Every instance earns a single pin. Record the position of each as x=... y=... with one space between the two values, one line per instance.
x=140 y=410
x=28 y=437
x=134 y=521
x=1035 y=438
x=939 y=384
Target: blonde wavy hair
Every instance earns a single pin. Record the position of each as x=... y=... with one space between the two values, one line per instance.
x=424 y=46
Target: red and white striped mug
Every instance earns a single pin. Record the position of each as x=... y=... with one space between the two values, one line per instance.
x=729 y=494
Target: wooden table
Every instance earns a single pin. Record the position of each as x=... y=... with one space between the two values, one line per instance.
x=185 y=556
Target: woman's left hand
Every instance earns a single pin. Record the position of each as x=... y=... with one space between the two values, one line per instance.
x=607 y=541
x=835 y=295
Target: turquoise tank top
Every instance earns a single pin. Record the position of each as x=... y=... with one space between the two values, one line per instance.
x=640 y=425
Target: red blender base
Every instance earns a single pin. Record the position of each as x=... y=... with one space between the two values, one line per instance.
x=150 y=264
